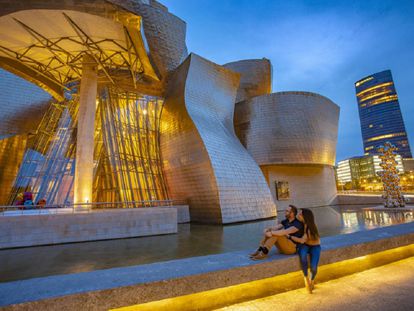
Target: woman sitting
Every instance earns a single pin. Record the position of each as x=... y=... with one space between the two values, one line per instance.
x=309 y=244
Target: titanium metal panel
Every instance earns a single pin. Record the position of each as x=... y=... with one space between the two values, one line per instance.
x=255 y=79
x=11 y=155
x=288 y=128
x=165 y=34
x=204 y=162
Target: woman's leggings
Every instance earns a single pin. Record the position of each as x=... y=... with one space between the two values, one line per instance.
x=315 y=252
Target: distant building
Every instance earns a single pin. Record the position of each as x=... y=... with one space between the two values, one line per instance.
x=408 y=165
x=380 y=114
x=358 y=168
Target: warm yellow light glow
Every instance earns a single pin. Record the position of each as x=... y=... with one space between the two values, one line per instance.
x=134 y=170
x=374 y=88
x=216 y=298
x=381 y=100
x=363 y=81
x=385 y=136
x=375 y=94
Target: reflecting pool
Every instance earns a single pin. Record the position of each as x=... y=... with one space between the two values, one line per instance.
x=191 y=240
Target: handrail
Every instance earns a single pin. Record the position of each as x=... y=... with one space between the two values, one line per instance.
x=86 y=207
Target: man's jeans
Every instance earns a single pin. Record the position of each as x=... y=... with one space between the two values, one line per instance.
x=314 y=254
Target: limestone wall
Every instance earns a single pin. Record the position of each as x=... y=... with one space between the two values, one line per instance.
x=309 y=185
x=19 y=231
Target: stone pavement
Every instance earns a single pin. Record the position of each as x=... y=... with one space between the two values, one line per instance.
x=386 y=288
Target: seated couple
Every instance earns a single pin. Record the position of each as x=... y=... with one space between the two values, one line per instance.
x=297 y=233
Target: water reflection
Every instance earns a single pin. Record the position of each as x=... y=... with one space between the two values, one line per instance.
x=376 y=218
x=352 y=220
x=191 y=240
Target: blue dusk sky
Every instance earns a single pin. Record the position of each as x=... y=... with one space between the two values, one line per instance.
x=317 y=46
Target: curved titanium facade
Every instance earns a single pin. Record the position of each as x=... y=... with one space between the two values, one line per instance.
x=288 y=127
x=164 y=32
x=151 y=139
x=380 y=114
x=292 y=136
x=11 y=155
x=255 y=77
x=204 y=162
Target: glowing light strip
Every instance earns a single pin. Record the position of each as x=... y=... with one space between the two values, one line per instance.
x=385 y=136
x=374 y=88
x=374 y=95
x=220 y=297
x=363 y=81
x=382 y=100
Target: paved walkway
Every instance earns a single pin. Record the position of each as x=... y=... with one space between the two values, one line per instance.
x=386 y=288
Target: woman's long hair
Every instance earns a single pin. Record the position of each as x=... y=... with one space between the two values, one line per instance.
x=311 y=228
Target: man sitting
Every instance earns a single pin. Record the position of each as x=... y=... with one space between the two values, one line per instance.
x=280 y=236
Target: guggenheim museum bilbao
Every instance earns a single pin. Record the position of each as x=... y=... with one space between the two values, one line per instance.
x=108 y=106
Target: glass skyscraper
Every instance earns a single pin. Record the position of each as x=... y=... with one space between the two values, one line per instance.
x=380 y=114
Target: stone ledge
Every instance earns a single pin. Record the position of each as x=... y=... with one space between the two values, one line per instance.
x=113 y=288
x=183 y=214
x=31 y=230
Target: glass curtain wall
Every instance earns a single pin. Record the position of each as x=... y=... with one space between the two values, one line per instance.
x=127 y=158
x=47 y=168
x=129 y=167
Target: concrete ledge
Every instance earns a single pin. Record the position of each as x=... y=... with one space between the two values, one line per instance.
x=221 y=297
x=358 y=199
x=381 y=208
x=31 y=230
x=114 y=288
x=367 y=199
x=183 y=214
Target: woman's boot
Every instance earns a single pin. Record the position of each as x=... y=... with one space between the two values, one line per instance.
x=312 y=284
x=308 y=285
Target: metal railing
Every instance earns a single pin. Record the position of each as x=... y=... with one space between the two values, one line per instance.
x=82 y=207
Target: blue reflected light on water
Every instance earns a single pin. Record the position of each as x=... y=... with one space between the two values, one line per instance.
x=191 y=240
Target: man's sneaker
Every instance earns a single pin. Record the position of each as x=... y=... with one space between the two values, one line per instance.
x=254 y=254
x=260 y=256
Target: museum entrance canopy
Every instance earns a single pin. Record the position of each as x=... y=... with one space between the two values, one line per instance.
x=47 y=47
